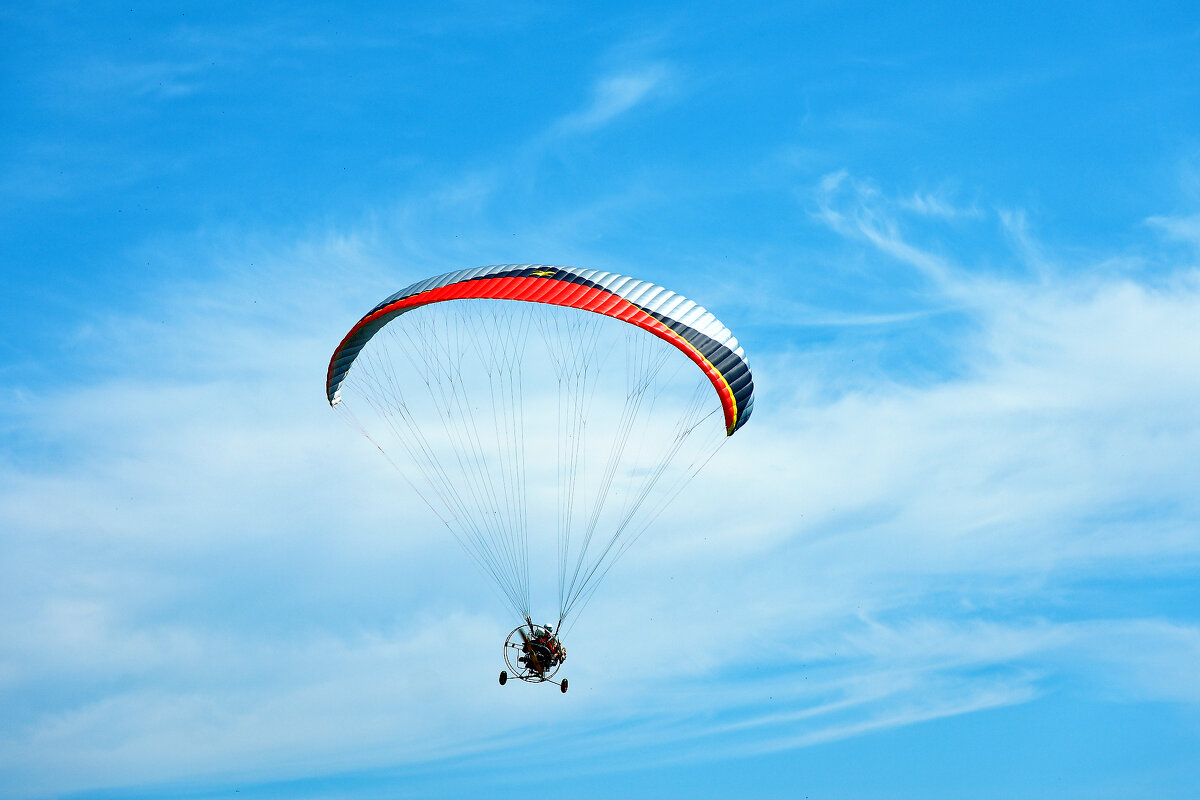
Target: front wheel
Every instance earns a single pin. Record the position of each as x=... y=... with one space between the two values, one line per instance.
x=562 y=687
x=504 y=677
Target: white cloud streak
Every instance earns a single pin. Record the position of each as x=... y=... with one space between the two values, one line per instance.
x=862 y=217
x=1185 y=229
x=616 y=95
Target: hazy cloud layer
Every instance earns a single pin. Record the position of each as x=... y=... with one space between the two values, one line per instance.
x=206 y=573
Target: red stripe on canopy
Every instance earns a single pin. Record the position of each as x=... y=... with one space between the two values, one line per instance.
x=554 y=291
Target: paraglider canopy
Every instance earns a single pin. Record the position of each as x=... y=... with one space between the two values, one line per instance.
x=669 y=316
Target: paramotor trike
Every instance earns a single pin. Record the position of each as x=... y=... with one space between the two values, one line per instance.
x=534 y=654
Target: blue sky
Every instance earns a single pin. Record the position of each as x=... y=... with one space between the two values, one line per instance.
x=961 y=547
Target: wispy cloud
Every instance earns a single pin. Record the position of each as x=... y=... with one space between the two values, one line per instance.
x=159 y=80
x=938 y=204
x=616 y=95
x=853 y=208
x=1185 y=229
x=197 y=549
